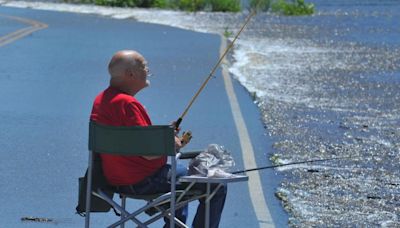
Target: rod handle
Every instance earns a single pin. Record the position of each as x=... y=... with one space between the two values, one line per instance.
x=177 y=123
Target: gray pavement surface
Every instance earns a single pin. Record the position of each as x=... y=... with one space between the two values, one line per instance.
x=48 y=81
x=8 y=26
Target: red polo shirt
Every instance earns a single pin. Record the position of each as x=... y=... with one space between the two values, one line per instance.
x=115 y=108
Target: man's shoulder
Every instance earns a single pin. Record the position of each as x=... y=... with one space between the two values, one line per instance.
x=123 y=98
x=117 y=96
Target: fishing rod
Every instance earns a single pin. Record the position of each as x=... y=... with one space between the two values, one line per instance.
x=178 y=122
x=292 y=163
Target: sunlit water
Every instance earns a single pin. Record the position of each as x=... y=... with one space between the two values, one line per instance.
x=327 y=86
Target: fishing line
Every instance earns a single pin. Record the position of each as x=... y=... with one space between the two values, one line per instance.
x=288 y=164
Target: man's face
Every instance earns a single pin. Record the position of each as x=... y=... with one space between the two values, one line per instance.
x=142 y=73
x=146 y=72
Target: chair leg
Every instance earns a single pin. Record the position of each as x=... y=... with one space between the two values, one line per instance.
x=89 y=190
x=123 y=204
x=126 y=214
x=132 y=215
x=168 y=214
x=173 y=193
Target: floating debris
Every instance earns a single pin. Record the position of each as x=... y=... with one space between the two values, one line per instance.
x=36 y=219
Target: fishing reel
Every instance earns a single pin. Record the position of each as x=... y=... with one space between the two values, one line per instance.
x=186 y=137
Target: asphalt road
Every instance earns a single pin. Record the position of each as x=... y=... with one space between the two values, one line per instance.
x=49 y=78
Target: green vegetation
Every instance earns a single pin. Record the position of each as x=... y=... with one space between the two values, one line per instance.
x=187 y=5
x=292 y=8
x=260 y=5
x=285 y=7
x=121 y=3
x=206 y=5
x=225 y=5
x=227 y=33
x=298 y=7
x=209 y=5
x=160 y=3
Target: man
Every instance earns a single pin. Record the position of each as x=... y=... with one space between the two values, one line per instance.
x=117 y=106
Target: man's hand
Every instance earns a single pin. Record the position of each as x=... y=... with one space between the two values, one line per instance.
x=178 y=143
x=176 y=129
x=186 y=137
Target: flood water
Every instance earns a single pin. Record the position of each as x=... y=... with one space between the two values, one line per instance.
x=329 y=86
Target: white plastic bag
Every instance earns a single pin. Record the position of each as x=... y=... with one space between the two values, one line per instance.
x=215 y=161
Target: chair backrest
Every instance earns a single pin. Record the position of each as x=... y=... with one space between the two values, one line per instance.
x=135 y=140
x=141 y=141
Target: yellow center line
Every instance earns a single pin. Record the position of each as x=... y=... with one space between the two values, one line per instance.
x=249 y=161
x=33 y=27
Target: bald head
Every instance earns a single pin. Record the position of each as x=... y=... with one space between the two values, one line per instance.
x=123 y=61
x=128 y=71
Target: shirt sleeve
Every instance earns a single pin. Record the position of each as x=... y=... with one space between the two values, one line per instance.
x=134 y=115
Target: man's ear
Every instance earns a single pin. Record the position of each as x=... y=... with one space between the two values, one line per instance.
x=130 y=72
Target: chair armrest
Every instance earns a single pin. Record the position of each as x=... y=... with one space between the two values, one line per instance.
x=189 y=154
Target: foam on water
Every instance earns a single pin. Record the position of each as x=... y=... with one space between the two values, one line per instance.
x=271 y=68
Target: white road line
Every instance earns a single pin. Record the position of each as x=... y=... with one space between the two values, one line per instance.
x=254 y=183
x=11 y=37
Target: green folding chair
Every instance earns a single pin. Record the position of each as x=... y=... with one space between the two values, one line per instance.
x=140 y=141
